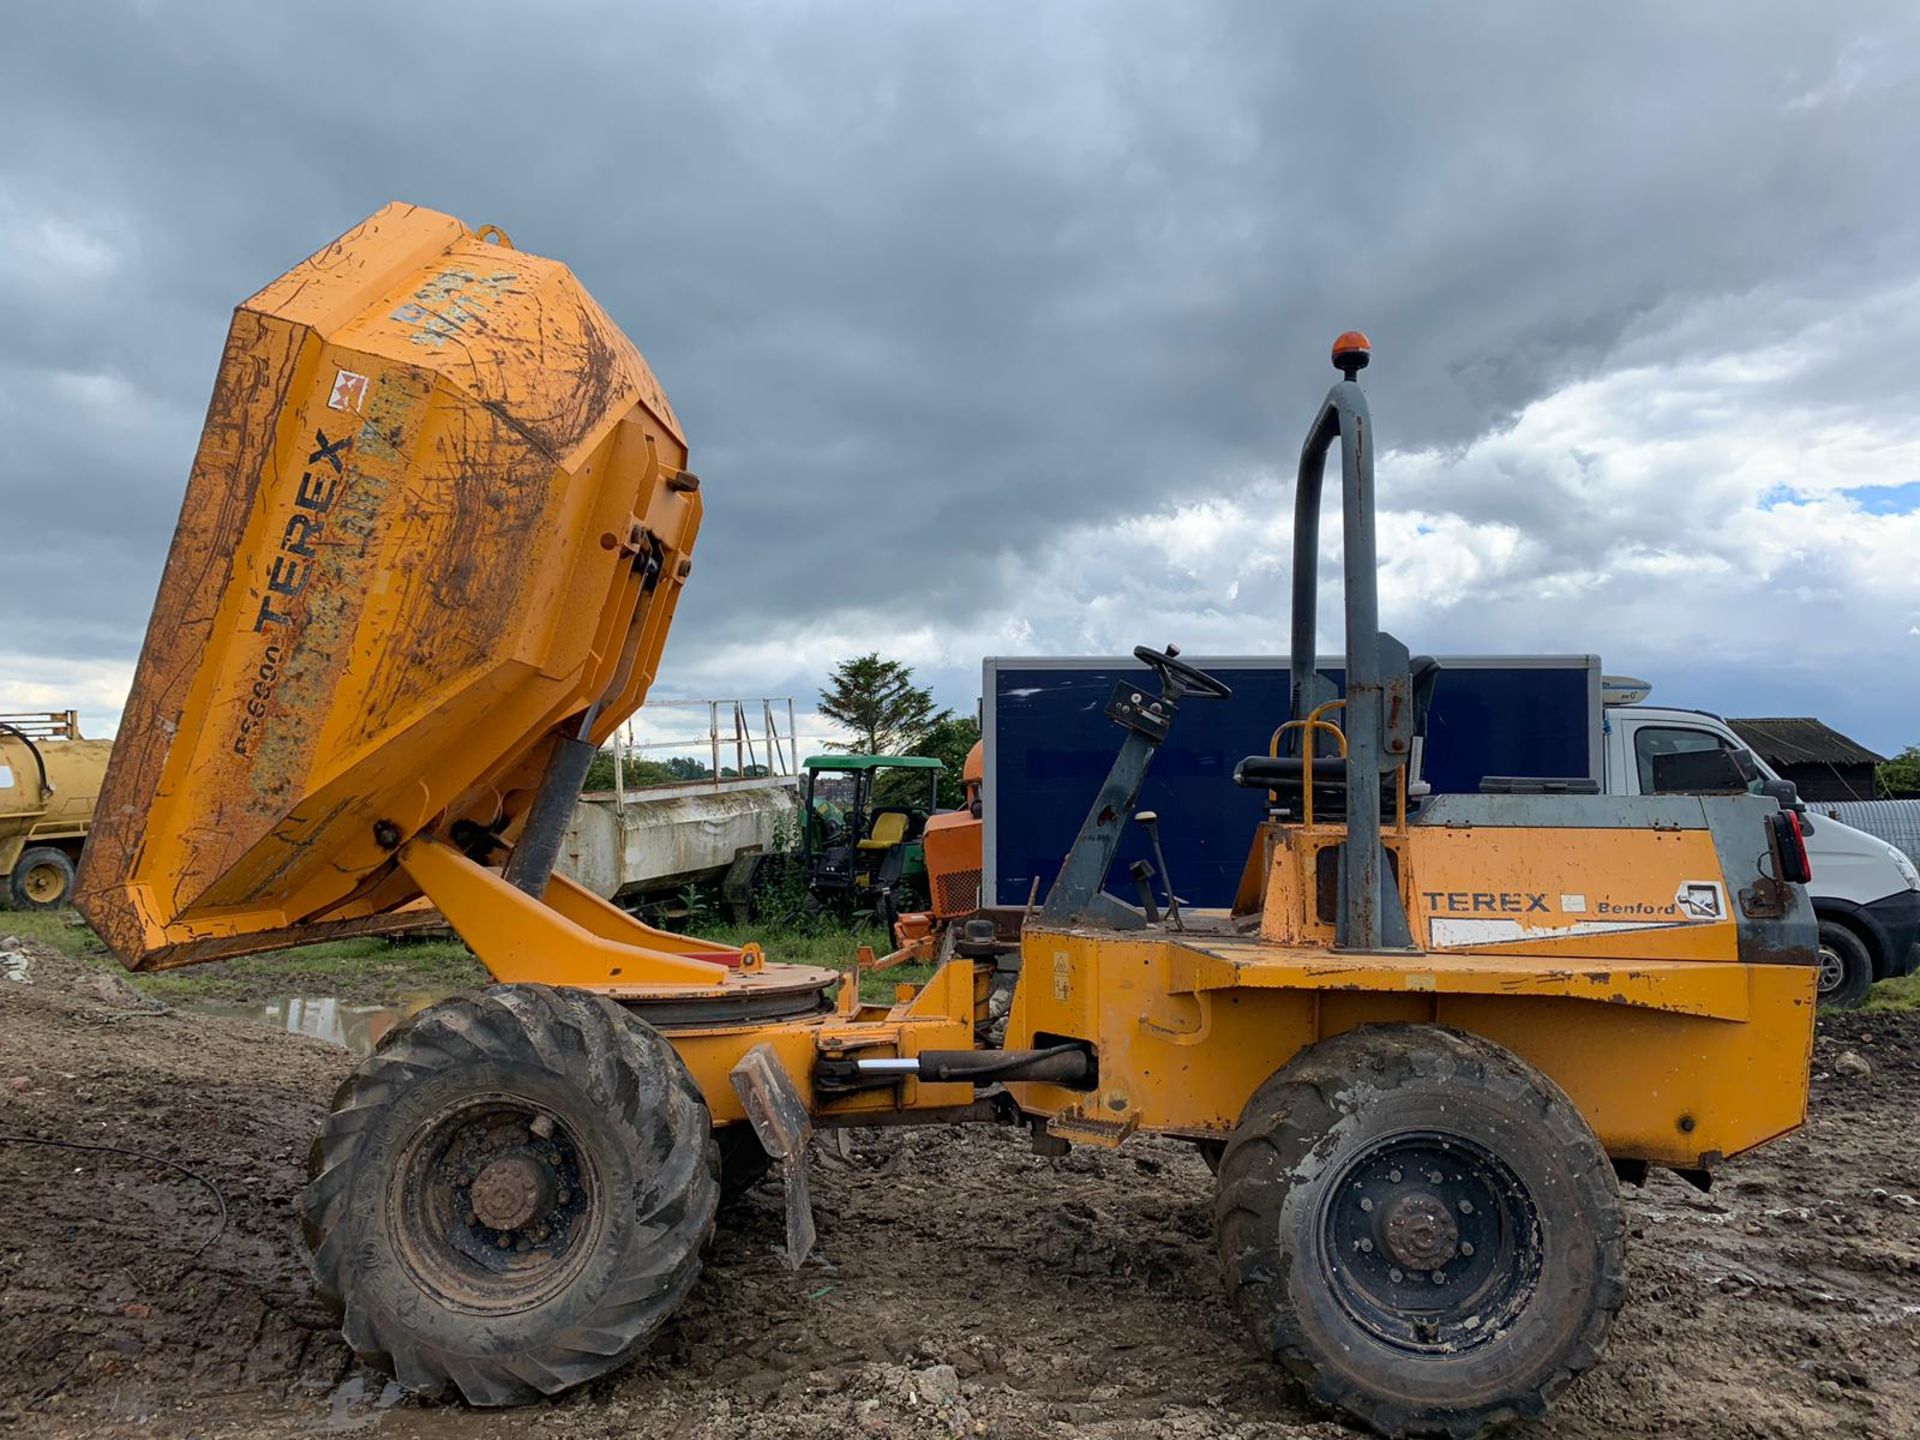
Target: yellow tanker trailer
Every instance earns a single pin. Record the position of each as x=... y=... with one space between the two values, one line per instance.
x=49 y=780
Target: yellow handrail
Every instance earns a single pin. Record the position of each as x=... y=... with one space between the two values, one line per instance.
x=1313 y=722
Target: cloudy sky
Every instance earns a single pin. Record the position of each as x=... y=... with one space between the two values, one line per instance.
x=995 y=327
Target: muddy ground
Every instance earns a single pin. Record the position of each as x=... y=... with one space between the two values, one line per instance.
x=965 y=1286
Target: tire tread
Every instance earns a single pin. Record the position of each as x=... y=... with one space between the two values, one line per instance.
x=1292 y=1110
x=622 y=1064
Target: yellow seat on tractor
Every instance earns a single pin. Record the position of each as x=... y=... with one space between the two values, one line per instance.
x=889 y=830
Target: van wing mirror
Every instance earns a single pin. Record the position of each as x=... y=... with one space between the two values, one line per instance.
x=1785 y=793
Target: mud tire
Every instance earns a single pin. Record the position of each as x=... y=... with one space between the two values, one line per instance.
x=1313 y=1137
x=42 y=879
x=393 y=1234
x=1846 y=968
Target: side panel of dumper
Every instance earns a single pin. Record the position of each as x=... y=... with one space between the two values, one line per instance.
x=439 y=518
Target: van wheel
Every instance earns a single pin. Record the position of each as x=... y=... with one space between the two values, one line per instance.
x=1422 y=1229
x=42 y=879
x=511 y=1194
x=1846 y=969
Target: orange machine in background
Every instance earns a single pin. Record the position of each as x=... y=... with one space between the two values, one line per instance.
x=952 y=844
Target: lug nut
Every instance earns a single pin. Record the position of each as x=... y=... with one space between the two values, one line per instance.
x=1466 y=1247
x=1396 y=1274
x=1366 y=1247
x=1466 y=1207
x=1439 y=1277
x=1394 y=1176
x=1366 y=1204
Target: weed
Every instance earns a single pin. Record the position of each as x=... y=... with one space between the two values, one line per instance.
x=1892 y=996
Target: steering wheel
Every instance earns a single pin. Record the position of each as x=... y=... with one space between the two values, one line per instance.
x=1179 y=677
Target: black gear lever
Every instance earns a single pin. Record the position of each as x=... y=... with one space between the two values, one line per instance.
x=1150 y=822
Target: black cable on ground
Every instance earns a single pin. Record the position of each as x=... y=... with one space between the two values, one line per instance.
x=194 y=1175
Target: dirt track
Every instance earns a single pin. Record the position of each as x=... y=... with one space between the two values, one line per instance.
x=967 y=1287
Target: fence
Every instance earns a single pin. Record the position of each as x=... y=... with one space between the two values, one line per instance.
x=751 y=732
x=44 y=724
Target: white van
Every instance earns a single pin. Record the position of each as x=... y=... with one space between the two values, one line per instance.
x=1865 y=891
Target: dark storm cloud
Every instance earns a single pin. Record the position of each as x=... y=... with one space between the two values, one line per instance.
x=926 y=283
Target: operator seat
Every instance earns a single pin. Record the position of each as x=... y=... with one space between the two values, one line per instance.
x=889 y=829
x=1282 y=773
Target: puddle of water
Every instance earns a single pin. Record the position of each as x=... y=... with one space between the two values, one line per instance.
x=350 y=1024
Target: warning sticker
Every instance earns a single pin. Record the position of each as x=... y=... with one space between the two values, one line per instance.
x=349 y=391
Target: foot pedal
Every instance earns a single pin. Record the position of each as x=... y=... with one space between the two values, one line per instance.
x=1079 y=1128
x=783 y=1127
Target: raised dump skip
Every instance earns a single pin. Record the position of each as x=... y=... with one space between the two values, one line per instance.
x=439 y=511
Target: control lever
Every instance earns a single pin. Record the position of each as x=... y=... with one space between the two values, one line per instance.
x=1150 y=820
x=1142 y=872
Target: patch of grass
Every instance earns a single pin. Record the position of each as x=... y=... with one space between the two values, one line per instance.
x=61 y=930
x=373 y=968
x=823 y=944
x=368 y=968
x=1893 y=996
x=818 y=944
x=880 y=989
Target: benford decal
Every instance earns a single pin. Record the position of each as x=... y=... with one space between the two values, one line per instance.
x=1457 y=919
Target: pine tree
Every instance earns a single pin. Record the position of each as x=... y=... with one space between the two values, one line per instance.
x=877 y=700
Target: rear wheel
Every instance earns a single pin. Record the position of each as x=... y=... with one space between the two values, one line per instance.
x=1846 y=969
x=42 y=879
x=511 y=1194
x=1422 y=1229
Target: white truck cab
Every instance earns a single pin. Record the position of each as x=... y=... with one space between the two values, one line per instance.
x=1865 y=892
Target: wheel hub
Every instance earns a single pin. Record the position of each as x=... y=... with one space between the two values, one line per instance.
x=1430 y=1242
x=1418 y=1231
x=43 y=883
x=510 y=1191
x=1832 y=971
x=494 y=1205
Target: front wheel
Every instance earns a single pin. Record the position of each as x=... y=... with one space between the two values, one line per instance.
x=42 y=879
x=1846 y=969
x=511 y=1194
x=1422 y=1228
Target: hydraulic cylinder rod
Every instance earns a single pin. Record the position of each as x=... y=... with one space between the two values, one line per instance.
x=1057 y=1064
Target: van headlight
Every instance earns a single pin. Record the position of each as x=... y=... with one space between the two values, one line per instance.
x=1905 y=867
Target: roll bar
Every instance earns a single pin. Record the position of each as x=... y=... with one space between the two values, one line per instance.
x=1370 y=916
